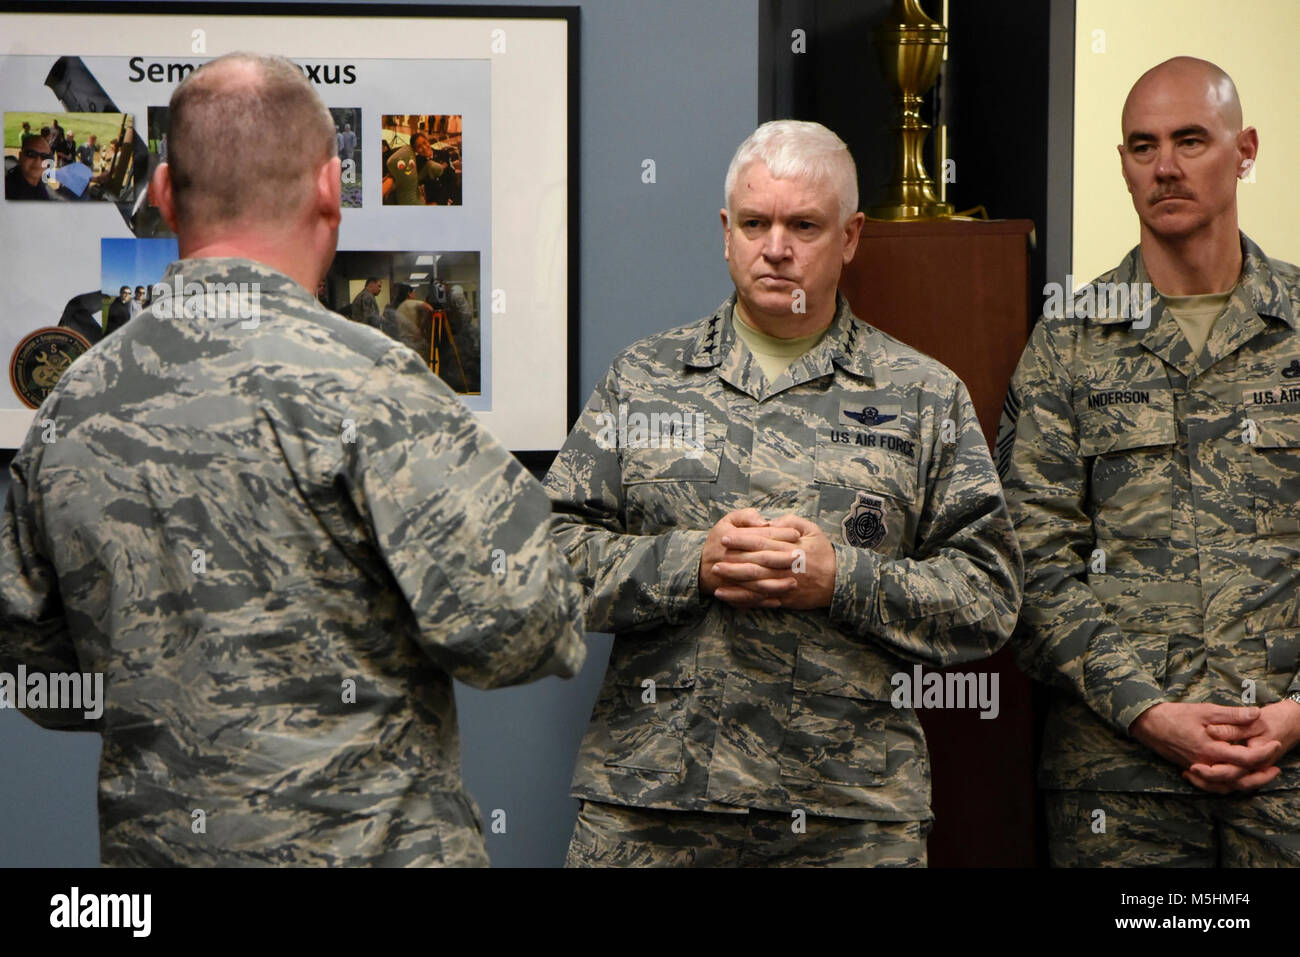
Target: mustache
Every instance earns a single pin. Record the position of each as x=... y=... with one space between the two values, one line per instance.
x=1172 y=192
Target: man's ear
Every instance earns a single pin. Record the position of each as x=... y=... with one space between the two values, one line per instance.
x=160 y=189
x=852 y=233
x=329 y=191
x=726 y=236
x=1248 y=149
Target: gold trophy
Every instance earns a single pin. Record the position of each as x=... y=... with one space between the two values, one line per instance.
x=911 y=51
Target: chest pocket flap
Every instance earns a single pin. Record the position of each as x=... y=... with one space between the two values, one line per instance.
x=1275 y=428
x=1275 y=455
x=889 y=473
x=677 y=456
x=1130 y=435
x=1122 y=418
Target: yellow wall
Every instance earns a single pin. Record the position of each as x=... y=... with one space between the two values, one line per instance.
x=1254 y=41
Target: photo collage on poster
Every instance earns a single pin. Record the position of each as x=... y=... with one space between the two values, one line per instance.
x=417 y=277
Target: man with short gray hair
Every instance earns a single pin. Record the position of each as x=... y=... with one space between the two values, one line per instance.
x=777 y=510
x=274 y=532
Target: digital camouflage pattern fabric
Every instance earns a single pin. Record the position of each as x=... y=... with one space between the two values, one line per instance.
x=612 y=835
x=279 y=544
x=1122 y=829
x=365 y=309
x=1157 y=502
x=706 y=707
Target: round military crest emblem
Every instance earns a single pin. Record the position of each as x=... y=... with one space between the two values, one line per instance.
x=39 y=360
x=864 y=526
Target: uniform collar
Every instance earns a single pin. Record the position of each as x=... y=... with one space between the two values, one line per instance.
x=717 y=346
x=1258 y=295
x=234 y=269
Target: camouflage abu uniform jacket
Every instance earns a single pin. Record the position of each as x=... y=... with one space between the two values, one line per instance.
x=365 y=309
x=779 y=709
x=279 y=544
x=1157 y=501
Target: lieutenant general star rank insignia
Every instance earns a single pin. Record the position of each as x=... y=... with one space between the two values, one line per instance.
x=864 y=526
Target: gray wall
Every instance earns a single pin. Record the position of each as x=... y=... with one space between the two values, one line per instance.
x=671 y=80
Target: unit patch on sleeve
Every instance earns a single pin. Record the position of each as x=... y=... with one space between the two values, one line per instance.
x=864 y=525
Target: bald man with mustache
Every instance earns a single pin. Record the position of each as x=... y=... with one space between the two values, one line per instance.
x=1150 y=452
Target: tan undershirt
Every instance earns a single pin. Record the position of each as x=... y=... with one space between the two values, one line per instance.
x=772 y=354
x=1196 y=315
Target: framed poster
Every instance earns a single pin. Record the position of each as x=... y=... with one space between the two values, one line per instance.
x=456 y=128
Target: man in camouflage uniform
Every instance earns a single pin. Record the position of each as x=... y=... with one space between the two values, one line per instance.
x=365 y=308
x=1152 y=463
x=275 y=533
x=771 y=546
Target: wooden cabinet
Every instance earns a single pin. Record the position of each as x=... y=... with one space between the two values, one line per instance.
x=959 y=291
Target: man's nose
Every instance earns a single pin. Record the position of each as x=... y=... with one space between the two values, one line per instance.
x=1167 y=166
x=776 y=244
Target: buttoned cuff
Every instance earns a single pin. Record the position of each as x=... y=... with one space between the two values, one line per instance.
x=679 y=575
x=857 y=581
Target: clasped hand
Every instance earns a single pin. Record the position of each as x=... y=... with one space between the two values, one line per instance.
x=1221 y=749
x=750 y=562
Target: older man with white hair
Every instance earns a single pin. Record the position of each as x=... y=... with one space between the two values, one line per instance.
x=777 y=510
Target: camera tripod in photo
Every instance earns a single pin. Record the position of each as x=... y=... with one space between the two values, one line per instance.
x=441 y=328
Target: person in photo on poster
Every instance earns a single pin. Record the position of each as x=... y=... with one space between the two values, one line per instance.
x=437 y=179
x=106 y=157
x=86 y=152
x=365 y=308
x=388 y=321
x=414 y=323
x=58 y=141
x=119 y=312
x=347 y=143
x=25 y=181
x=466 y=328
